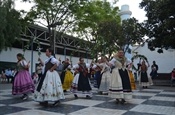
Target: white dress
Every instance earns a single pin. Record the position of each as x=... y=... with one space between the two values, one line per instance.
x=51 y=89
x=106 y=75
x=116 y=87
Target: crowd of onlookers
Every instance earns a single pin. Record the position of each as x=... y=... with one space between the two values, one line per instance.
x=7 y=75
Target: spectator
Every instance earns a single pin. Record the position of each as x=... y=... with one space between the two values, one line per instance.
x=172 y=76
x=8 y=73
x=39 y=70
x=3 y=77
x=154 y=69
x=60 y=67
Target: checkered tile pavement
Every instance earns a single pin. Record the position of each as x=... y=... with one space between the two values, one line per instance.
x=145 y=102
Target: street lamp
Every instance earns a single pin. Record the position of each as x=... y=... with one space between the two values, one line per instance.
x=65 y=52
x=53 y=25
x=33 y=39
x=87 y=49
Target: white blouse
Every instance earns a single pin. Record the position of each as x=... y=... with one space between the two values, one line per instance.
x=53 y=61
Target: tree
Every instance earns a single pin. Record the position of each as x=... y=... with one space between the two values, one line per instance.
x=11 y=24
x=160 y=25
x=132 y=32
x=121 y=35
x=90 y=18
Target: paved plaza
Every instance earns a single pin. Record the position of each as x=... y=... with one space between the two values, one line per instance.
x=151 y=101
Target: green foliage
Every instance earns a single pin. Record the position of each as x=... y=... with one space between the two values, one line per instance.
x=10 y=23
x=160 y=25
x=88 y=21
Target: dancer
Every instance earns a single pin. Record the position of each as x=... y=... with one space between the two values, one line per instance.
x=105 y=76
x=49 y=88
x=131 y=76
x=120 y=87
x=23 y=83
x=66 y=75
x=144 y=78
x=81 y=84
x=98 y=75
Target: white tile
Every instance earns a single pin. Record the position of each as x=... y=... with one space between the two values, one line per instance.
x=161 y=98
x=4 y=98
x=136 y=101
x=167 y=92
x=35 y=112
x=2 y=105
x=154 y=109
x=144 y=94
x=29 y=105
x=155 y=90
x=98 y=111
x=83 y=102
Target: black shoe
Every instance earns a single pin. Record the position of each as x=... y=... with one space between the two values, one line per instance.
x=56 y=103
x=75 y=95
x=44 y=103
x=117 y=101
x=100 y=92
x=22 y=97
x=88 y=97
x=122 y=101
x=25 y=97
x=65 y=91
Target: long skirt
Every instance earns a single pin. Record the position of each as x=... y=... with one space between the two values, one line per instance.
x=67 y=82
x=132 y=80
x=81 y=85
x=51 y=89
x=23 y=83
x=120 y=86
x=145 y=79
x=104 y=85
x=97 y=79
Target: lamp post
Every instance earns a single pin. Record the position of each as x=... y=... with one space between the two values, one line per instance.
x=53 y=25
x=87 y=53
x=64 y=52
x=33 y=39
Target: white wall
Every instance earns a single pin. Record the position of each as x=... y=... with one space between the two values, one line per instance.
x=165 y=60
x=10 y=56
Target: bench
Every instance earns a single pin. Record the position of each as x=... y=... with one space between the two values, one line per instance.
x=163 y=79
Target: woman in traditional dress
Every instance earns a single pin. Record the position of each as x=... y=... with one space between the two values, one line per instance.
x=120 y=86
x=23 y=83
x=66 y=75
x=105 y=76
x=97 y=76
x=81 y=83
x=131 y=76
x=144 y=78
x=49 y=87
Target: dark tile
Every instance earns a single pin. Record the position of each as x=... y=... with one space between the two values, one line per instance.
x=63 y=108
x=141 y=97
x=101 y=98
x=138 y=113
x=14 y=100
x=10 y=109
x=159 y=103
x=114 y=105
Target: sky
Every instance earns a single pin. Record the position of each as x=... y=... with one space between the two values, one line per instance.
x=138 y=13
